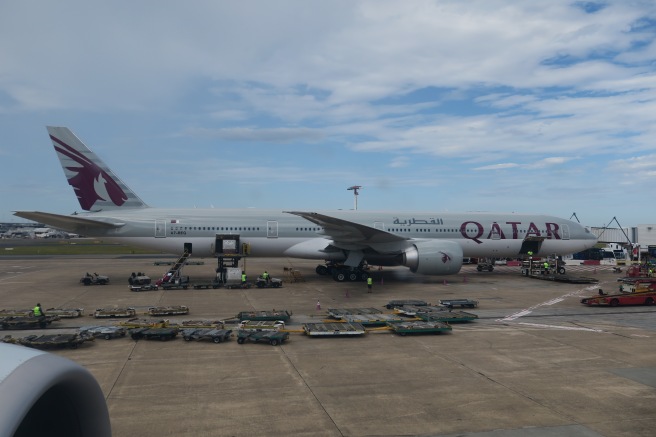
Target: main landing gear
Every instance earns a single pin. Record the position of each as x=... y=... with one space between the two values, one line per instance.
x=343 y=273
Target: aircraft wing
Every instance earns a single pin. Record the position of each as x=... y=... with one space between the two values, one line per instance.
x=70 y=223
x=346 y=234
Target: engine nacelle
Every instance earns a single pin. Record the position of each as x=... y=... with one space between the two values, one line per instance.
x=434 y=257
x=45 y=394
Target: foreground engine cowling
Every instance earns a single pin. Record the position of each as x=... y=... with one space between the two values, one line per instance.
x=43 y=394
x=434 y=257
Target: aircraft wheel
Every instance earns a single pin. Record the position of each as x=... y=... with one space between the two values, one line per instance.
x=216 y=340
x=353 y=276
x=339 y=276
x=321 y=270
x=364 y=276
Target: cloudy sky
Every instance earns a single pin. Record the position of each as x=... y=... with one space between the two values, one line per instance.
x=545 y=106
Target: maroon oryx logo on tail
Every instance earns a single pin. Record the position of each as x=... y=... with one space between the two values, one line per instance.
x=445 y=257
x=90 y=183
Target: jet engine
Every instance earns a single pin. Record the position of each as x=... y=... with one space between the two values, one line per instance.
x=434 y=257
x=45 y=394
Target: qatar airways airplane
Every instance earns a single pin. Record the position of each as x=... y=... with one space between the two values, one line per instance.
x=429 y=243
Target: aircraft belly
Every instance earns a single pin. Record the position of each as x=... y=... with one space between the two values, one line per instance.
x=491 y=248
x=204 y=246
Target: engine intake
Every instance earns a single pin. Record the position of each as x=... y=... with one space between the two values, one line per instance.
x=44 y=394
x=434 y=258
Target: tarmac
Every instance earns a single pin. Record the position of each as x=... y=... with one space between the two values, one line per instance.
x=535 y=363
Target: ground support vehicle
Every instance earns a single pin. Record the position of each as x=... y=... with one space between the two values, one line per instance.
x=169 y=310
x=400 y=303
x=265 y=315
x=50 y=341
x=271 y=283
x=419 y=327
x=339 y=329
x=459 y=303
x=274 y=338
x=15 y=313
x=111 y=313
x=617 y=299
x=65 y=313
x=143 y=287
x=26 y=322
x=371 y=320
x=162 y=334
x=106 y=332
x=213 y=335
x=177 y=283
x=412 y=311
x=485 y=266
x=139 y=279
x=212 y=324
x=261 y=325
x=339 y=313
x=536 y=270
x=237 y=285
x=144 y=323
x=94 y=279
x=341 y=272
x=535 y=267
x=200 y=285
x=447 y=316
x=638 y=285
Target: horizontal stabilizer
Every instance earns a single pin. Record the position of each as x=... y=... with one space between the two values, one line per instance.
x=70 y=223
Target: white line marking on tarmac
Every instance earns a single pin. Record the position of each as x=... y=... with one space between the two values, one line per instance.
x=566 y=328
x=527 y=311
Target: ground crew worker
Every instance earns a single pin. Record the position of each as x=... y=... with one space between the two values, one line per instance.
x=530 y=254
x=265 y=276
x=545 y=265
x=38 y=312
x=243 y=278
x=370 y=282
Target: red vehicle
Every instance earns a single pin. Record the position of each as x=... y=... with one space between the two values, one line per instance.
x=637 y=298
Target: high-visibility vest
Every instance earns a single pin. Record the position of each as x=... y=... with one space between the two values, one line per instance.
x=265 y=275
x=37 y=311
x=243 y=278
x=369 y=281
x=546 y=265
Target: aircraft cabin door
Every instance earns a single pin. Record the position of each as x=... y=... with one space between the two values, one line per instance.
x=160 y=228
x=272 y=229
x=564 y=232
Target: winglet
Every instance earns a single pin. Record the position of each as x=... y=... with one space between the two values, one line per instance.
x=95 y=185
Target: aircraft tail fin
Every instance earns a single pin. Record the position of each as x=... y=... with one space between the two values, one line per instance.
x=95 y=185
